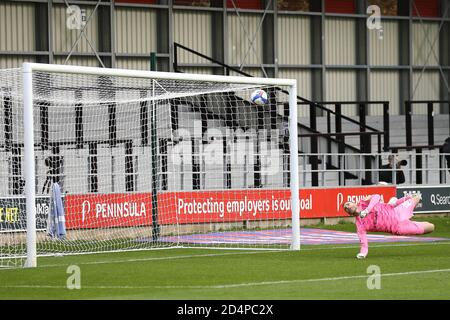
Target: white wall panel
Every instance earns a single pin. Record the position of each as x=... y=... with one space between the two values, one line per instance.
x=144 y=168
x=7 y=62
x=294 y=40
x=76 y=169
x=255 y=72
x=104 y=169
x=64 y=38
x=78 y=61
x=133 y=63
x=241 y=31
x=426 y=87
x=17 y=26
x=136 y=30
x=340 y=41
x=197 y=70
x=341 y=86
x=425 y=43
x=96 y=122
x=193 y=30
x=384 y=51
x=303 y=85
x=385 y=86
x=128 y=117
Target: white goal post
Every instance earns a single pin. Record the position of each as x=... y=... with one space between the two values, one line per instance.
x=134 y=160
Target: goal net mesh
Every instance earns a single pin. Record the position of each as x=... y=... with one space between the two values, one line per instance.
x=127 y=163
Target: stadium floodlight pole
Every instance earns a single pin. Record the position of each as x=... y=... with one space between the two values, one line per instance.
x=30 y=191
x=295 y=192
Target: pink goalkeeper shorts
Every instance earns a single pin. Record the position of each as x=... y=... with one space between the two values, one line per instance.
x=407 y=228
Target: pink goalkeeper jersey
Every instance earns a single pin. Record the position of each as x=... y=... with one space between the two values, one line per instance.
x=381 y=218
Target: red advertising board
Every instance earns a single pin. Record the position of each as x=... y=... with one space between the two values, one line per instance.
x=134 y=209
x=225 y=206
x=328 y=202
x=240 y=205
x=85 y=211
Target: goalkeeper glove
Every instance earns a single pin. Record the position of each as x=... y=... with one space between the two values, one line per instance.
x=393 y=201
x=363 y=213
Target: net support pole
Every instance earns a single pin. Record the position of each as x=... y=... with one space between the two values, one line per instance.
x=295 y=192
x=31 y=261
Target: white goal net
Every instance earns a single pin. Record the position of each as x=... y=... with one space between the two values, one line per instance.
x=131 y=160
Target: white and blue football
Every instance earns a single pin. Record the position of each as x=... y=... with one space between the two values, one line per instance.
x=259 y=97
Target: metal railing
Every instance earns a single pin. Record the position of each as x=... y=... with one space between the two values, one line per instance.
x=421 y=168
x=419 y=149
x=368 y=159
x=361 y=122
x=430 y=119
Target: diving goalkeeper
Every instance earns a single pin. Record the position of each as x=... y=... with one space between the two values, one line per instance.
x=392 y=217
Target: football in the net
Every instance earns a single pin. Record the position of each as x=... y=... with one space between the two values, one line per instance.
x=259 y=97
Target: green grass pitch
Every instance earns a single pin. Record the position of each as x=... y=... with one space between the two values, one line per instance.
x=409 y=271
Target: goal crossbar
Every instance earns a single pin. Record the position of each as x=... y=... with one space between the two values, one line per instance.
x=30 y=67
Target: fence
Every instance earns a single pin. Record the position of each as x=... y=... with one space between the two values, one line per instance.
x=424 y=167
x=430 y=119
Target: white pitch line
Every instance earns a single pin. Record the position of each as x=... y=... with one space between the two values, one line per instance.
x=230 y=286
x=251 y=252
x=206 y=255
x=236 y=253
x=251 y=284
x=377 y=245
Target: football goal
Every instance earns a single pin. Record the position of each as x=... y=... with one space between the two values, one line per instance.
x=106 y=160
